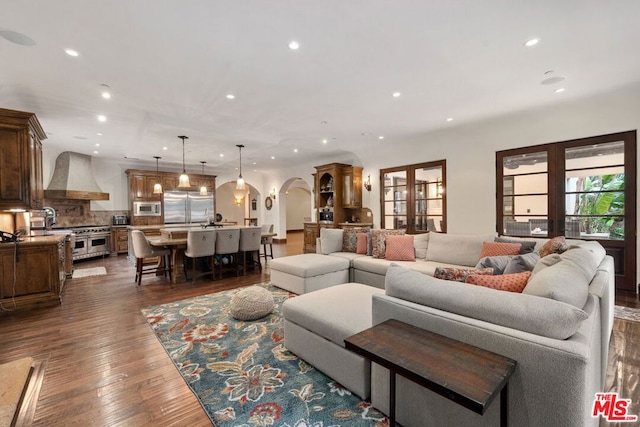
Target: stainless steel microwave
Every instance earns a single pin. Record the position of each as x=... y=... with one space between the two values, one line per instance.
x=147 y=208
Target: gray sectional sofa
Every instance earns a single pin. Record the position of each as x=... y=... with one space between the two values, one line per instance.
x=557 y=330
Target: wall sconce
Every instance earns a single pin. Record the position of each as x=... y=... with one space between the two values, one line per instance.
x=237 y=201
x=272 y=194
x=367 y=183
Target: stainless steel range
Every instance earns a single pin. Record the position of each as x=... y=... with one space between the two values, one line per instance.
x=91 y=241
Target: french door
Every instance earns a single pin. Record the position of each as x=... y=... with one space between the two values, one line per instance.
x=413 y=197
x=582 y=189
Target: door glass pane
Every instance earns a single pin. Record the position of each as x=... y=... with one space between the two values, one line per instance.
x=525 y=190
x=594 y=191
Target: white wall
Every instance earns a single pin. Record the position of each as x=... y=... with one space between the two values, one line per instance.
x=298 y=207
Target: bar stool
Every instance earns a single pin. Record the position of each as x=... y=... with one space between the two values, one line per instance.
x=250 y=241
x=142 y=249
x=267 y=240
x=200 y=244
x=228 y=243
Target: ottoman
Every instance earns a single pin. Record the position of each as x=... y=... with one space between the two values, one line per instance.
x=316 y=324
x=308 y=272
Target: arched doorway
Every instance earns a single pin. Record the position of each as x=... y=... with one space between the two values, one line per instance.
x=234 y=210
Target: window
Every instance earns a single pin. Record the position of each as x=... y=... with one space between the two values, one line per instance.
x=413 y=197
x=576 y=188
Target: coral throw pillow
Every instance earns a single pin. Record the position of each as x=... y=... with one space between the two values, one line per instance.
x=499 y=248
x=362 y=243
x=506 y=282
x=399 y=248
x=459 y=274
x=378 y=244
x=557 y=245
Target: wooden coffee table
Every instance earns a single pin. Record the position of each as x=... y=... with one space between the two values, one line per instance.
x=465 y=374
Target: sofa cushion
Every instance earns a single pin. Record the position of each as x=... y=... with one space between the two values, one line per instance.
x=379 y=266
x=334 y=313
x=459 y=274
x=458 y=249
x=420 y=243
x=557 y=245
x=520 y=263
x=529 y=313
x=514 y=282
x=565 y=277
x=309 y=265
x=378 y=241
x=528 y=246
x=499 y=248
x=331 y=240
x=399 y=248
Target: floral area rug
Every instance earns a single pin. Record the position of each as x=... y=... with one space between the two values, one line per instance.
x=242 y=373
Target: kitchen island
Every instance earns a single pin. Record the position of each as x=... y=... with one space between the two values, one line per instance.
x=32 y=272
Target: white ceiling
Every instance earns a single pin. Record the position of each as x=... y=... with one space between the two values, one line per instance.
x=170 y=65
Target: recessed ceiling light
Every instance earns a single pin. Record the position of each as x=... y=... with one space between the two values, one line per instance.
x=365 y=134
x=324 y=141
x=254 y=163
x=295 y=150
x=106 y=95
x=102 y=118
x=294 y=45
x=381 y=137
x=95 y=152
x=324 y=122
x=231 y=96
x=99 y=134
x=97 y=145
x=552 y=80
x=396 y=94
x=273 y=157
x=71 y=52
x=165 y=148
x=221 y=155
x=559 y=90
x=531 y=42
x=449 y=119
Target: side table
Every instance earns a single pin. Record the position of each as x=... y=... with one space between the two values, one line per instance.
x=465 y=374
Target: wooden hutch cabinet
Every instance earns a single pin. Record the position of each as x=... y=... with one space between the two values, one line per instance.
x=141 y=184
x=21 y=184
x=338 y=190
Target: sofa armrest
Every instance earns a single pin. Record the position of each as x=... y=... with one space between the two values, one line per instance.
x=318 y=246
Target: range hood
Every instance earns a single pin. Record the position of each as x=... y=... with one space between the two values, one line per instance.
x=73 y=179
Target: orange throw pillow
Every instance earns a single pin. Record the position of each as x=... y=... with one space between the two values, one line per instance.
x=399 y=248
x=505 y=282
x=361 y=246
x=499 y=248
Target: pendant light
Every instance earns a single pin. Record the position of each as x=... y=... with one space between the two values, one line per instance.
x=157 y=187
x=203 y=188
x=184 y=178
x=240 y=190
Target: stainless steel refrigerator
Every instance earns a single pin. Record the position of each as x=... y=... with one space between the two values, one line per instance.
x=184 y=207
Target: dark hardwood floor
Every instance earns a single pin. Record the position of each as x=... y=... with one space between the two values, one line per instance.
x=103 y=365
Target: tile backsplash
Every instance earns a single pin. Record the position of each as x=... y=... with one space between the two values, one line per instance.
x=78 y=212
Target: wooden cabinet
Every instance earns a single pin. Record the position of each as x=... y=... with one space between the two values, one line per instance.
x=311 y=233
x=352 y=187
x=119 y=239
x=338 y=189
x=20 y=160
x=141 y=184
x=32 y=276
